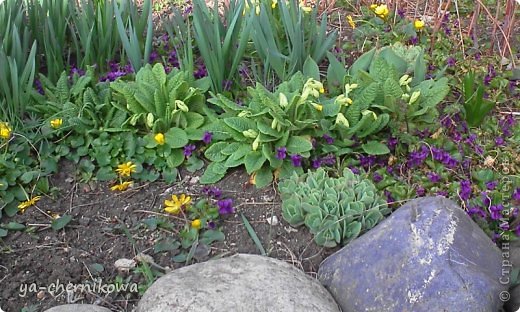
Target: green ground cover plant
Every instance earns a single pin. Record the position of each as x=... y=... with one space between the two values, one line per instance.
x=262 y=85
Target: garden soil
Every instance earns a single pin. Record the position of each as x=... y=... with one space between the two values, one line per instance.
x=36 y=266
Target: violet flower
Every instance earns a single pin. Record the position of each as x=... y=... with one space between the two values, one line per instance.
x=296 y=160
x=376 y=177
x=206 y=138
x=316 y=163
x=465 y=190
x=496 y=211
x=491 y=185
x=212 y=191
x=189 y=149
x=420 y=191
x=476 y=210
x=451 y=61
x=225 y=206
x=516 y=194
x=281 y=153
x=328 y=139
x=329 y=160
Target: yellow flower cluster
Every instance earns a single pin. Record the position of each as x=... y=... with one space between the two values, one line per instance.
x=124 y=170
x=5 y=130
x=380 y=10
x=351 y=22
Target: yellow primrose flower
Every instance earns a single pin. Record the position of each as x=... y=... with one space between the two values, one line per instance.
x=373 y=6
x=274 y=3
x=382 y=11
x=196 y=224
x=56 y=123
x=318 y=107
x=125 y=170
x=306 y=9
x=122 y=186
x=28 y=203
x=175 y=205
x=351 y=22
x=418 y=24
x=322 y=90
x=5 y=130
x=159 y=138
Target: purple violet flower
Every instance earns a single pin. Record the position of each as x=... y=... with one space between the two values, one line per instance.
x=516 y=194
x=189 y=149
x=496 y=211
x=491 y=185
x=328 y=139
x=328 y=160
x=39 y=87
x=281 y=153
x=476 y=210
x=206 y=138
x=465 y=190
x=154 y=55
x=225 y=206
x=212 y=191
x=420 y=191
x=296 y=160
x=377 y=177
x=211 y=225
x=499 y=141
x=354 y=170
x=451 y=61
x=316 y=163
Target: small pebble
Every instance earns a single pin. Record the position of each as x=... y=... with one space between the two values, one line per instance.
x=273 y=220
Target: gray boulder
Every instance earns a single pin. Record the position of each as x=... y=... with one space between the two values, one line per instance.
x=513 y=304
x=77 y=308
x=238 y=283
x=427 y=256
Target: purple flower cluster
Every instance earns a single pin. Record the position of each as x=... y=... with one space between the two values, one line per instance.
x=74 y=70
x=417 y=158
x=491 y=185
x=444 y=157
x=476 y=210
x=212 y=191
x=420 y=191
x=225 y=206
x=433 y=177
x=154 y=56
x=328 y=160
x=200 y=72
x=116 y=71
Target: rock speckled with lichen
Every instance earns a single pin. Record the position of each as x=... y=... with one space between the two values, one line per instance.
x=248 y=283
x=427 y=256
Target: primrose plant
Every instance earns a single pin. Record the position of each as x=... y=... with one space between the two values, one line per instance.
x=270 y=134
x=336 y=210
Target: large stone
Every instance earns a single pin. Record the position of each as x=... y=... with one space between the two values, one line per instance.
x=513 y=304
x=78 y=308
x=241 y=282
x=427 y=256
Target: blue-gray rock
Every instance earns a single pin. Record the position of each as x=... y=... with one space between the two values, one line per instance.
x=427 y=256
x=240 y=283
